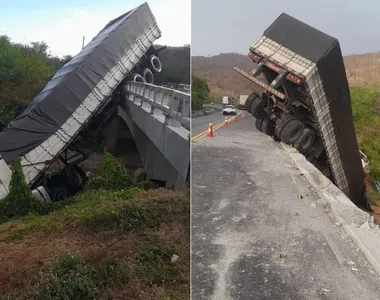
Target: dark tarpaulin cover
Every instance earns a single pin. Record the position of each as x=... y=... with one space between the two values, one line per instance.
x=325 y=51
x=70 y=86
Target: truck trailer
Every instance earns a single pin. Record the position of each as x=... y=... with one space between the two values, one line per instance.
x=75 y=104
x=302 y=98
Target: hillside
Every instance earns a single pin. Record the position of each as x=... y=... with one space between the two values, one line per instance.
x=362 y=70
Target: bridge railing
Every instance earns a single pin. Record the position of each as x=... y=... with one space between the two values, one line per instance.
x=175 y=105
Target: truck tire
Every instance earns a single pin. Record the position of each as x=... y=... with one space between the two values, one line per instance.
x=292 y=132
x=60 y=193
x=148 y=76
x=257 y=108
x=267 y=126
x=306 y=141
x=138 y=78
x=155 y=64
x=76 y=178
x=248 y=102
x=258 y=123
x=281 y=124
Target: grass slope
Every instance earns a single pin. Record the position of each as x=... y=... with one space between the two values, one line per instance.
x=114 y=240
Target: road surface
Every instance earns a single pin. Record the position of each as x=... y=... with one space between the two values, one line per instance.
x=258 y=231
x=201 y=124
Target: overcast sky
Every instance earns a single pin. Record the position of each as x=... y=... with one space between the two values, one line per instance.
x=63 y=23
x=232 y=26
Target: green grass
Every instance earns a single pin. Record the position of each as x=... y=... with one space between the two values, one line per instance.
x=71 y=277
x=154 y=262
x=95 y=210
x=366 y=113
x=365 y=101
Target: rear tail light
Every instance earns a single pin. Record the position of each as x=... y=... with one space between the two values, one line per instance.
x=294 y=78
x=273 y=66
x=256 y=58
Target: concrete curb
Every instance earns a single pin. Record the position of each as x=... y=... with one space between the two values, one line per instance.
x=358 y=225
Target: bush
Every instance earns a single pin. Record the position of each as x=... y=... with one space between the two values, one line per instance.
x=154 y=262
x=71 y=277
x=111 y=175
x=365 y=103
x=20 y=201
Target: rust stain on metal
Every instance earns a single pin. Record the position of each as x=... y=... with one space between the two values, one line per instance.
x=260 y=83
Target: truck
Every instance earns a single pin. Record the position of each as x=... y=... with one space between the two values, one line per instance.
x=242 y=100
x=225 y=100
x=300 y=96
x=76 y=104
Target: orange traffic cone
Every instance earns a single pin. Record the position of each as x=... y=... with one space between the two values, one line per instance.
x=225 y=122
x=210 y=131
x=235 y=119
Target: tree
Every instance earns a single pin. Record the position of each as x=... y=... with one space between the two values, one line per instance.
x=199 y=92
x=24 y=71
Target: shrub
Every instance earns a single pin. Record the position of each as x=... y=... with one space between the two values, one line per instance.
x=20 y=201
x=71 y=277
x=111 y=175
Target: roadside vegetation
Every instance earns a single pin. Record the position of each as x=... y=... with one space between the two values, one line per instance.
x=114 y=240
x=366 y=113
x=200 y=92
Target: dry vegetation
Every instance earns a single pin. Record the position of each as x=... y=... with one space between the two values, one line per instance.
x=112 y=241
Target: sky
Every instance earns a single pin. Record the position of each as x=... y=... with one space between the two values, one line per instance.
x=63 y=23
x=233 y=26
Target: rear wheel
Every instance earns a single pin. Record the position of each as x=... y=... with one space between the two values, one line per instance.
x=257 y=108
x=138 y=78
x=267 y=126
x=292 y=132
x=148 y=76
x=248 y=102
x=60 y=193
x=281 y=124
x=76 y=177
x=306 y=141
x=258 y=123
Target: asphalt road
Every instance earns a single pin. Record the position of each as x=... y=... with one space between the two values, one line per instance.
x=254 y=237
x=201 y=124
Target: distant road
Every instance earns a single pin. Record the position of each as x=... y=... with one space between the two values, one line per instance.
x=201 y=124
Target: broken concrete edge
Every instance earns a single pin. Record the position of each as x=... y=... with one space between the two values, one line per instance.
x=357 y=224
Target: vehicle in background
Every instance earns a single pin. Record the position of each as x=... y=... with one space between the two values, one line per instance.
x=242 y=99
x=229 y=110
x=305 y=100
x=225 y=100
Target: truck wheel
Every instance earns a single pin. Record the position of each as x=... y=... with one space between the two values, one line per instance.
x=267 y=126
x=258 y=123
x=257 y=108
x=148 y=76
x=59 y=193
x=155 y=63
x=138 y=78
x=76 y=177
x=306 y=141
x=281 y=124
x=292 y=132
x=248 y=102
